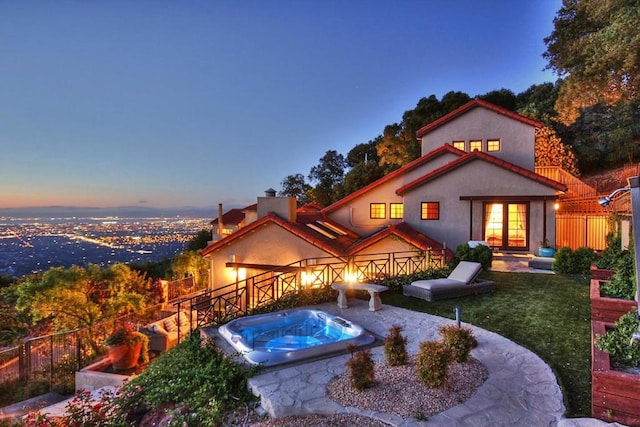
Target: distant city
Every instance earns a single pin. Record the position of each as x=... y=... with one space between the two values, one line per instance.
x=29 y=245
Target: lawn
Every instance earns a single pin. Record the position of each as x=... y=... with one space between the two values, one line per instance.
x=548 y=314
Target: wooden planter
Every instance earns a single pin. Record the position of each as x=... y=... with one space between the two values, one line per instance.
x=615 y=395
x=605 y=309
x=124 y=357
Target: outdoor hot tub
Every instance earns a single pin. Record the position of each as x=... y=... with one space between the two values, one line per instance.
x=292 y=335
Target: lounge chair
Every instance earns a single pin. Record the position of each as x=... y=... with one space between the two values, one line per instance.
x=462 y=281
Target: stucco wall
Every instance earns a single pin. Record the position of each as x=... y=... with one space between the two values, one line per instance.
x=269 y=244
x=517 y=139
x=477 y=178
x=356 y=214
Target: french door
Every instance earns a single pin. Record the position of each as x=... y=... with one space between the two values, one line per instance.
x=506 y=225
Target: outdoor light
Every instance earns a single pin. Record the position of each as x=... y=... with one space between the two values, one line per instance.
x=604 y=201
x=634 y=187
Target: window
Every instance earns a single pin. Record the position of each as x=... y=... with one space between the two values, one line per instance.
x=397 y=210
x=493 y=145
x=430 y=210
x=459 y=145
x=475 y=145
x=378 y=211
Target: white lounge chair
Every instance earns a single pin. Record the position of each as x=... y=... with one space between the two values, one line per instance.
x=462 y=281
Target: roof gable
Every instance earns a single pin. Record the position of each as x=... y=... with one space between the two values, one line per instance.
x=406 y=168
x=315 y=235
x=469 y=106
x=479 y=155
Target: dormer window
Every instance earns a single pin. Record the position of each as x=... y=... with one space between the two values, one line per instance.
x=493 y=145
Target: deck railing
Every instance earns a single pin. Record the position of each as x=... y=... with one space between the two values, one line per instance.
x=236 y=299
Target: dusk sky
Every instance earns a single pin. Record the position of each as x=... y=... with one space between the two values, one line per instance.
x=195 y=103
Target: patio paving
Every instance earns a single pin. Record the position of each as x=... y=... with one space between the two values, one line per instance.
x=521 y=388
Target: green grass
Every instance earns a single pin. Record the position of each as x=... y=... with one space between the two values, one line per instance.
x=548 y=314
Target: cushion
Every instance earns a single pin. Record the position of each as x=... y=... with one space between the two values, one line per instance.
x=170 y=324
x=428 y=284
x=466 y=271
x=184 y=321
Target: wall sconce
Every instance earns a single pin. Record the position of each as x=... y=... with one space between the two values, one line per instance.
x=556 y=206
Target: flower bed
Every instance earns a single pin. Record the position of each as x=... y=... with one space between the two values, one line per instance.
x=615 y=394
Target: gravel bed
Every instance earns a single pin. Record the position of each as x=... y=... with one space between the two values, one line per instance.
x=397 y=390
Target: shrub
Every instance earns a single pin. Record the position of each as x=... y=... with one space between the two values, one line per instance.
x=195 y=376
x=395 y=346
x=614 y=250
x=623 y=281
x=617 y=342
x=583 y=259
x=481 y=253
x=569 y=262
x=432 y=363
x=458 y=341
x=361 y=371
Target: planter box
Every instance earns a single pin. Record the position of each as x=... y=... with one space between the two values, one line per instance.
x=615 y=396
x=601 y=273
x=605 y=309
x=95 y=376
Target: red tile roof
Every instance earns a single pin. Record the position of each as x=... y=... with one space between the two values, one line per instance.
x=404 y=232
x=479 y=155
x=469 y=106
x=406 y=168
x=336 y=247
x=231 y=217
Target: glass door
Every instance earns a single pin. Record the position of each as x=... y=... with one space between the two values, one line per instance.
x=506 y=225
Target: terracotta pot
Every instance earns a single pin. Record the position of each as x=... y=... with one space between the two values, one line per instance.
x=615 y=394
x=124 y=357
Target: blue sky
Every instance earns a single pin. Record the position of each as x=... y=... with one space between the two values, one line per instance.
x=195 y=103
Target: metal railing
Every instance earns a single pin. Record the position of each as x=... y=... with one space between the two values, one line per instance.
x=239 y=298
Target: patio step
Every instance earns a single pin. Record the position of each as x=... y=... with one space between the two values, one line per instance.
x=541 y=263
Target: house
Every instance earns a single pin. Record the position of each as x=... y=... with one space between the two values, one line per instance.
x=475 y=180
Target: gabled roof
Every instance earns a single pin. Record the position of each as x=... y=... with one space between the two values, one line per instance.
x=469 y=106
x=231 y=217
x=403 y=231
x=406 y=168
x=335 y=246
x=479 y=155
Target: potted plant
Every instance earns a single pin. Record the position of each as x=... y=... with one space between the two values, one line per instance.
x=615 y=370
x=127 y=348
x=545 y=249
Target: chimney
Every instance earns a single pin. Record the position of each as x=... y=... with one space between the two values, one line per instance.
x=220 y=224
x=285 y=207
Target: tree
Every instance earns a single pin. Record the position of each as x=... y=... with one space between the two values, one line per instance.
x=550 y=151
x=189 y=263
x=595 y=47
x=606 y=136
x=328 y=176
x=538 y=102
x=199 y=241
x=501 y=97
x=396 y=148
x=361 y=175
x=296 y=186
x=80 y=297
x=362 y=153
